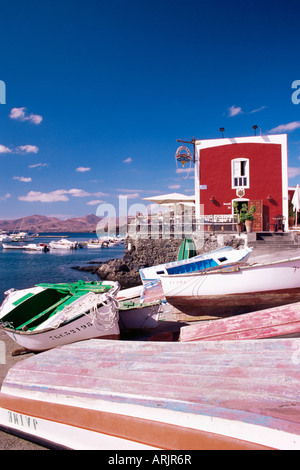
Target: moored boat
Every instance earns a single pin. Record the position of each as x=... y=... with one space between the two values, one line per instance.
x=139 y=395
x=36 y=247
x=63 y=244
x=49 y=315
x=233 y=290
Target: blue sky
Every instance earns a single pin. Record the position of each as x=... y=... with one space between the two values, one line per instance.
x=98 y=92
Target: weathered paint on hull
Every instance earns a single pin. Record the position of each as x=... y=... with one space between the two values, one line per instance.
x=134 y=395
x=193 y=308
x=277 y=322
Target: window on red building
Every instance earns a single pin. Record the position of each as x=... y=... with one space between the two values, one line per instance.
x=240 y=173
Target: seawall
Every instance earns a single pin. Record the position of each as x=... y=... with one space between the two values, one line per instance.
x=143 y=252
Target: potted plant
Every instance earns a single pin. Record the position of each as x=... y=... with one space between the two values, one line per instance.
x=240 y=209
x=248 y=218
x=291 y=215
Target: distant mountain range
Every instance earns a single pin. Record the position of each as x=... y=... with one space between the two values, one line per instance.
x=41 y=223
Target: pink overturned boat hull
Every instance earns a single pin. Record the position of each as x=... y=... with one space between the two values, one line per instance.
x=277 y=322
x=101 y=394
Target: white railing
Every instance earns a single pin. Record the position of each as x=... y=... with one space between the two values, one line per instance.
x=176 y=227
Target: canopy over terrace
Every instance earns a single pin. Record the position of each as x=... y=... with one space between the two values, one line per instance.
x=172 y=199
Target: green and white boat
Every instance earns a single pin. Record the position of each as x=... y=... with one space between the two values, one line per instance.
x=49 y=315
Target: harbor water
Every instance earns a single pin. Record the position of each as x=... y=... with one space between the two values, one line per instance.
x=20 y=269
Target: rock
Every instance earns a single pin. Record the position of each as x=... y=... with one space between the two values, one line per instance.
x=150 y=252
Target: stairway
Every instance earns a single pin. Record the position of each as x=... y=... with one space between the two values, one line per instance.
x=271 y=242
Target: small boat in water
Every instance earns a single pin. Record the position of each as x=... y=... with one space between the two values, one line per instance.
x=49 y=315
x=63 y=244
x=233 y=290
x=23 y=246
x=224 y=256
x=36 y=247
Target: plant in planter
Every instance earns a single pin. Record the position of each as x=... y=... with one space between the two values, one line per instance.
x=291 y=214
x=240 y=210
x=248 y=218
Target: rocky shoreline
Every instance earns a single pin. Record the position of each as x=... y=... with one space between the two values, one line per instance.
x=141 y=253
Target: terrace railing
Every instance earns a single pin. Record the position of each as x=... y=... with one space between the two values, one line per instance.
x=180 y=226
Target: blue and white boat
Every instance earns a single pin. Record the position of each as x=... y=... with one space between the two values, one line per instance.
x=224 y=256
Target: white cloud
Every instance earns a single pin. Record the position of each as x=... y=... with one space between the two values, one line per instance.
x=53 y=196
x=174 y=186
x=20 y=114
x=82 y=169
x=293 y=172
x=20 y=149
x=291 y=126
x=95 y=202
x=184 y=170
x=6 y=196
x=57 y=195
x=37 y=165
x=81 y=193
x=27 y=149
x=234 y=110
x=127 y=160
x=23 y=179
x=257 y=110
x=130 y=196
x=4 y=149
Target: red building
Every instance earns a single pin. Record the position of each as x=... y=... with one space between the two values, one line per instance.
x=251 y=170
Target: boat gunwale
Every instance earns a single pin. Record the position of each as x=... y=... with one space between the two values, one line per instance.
x=229 y=269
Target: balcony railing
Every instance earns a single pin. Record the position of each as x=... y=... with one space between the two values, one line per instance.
x=177 y=227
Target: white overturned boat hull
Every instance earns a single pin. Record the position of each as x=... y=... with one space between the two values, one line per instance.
x=234 y=290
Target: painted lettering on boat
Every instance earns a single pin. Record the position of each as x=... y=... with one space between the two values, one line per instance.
x=72 y=331
x=22 y=420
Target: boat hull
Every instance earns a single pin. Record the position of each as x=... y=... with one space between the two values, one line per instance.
x=87 y=311
x=277 y=322
x=79 y=329
x=235 y=290
x=147 y=395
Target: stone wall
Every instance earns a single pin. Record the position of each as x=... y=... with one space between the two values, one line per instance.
x=144 y=252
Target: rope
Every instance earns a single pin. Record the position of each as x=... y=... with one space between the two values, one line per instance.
x=92 y=305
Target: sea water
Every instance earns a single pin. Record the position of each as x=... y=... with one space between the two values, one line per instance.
x=21 y=269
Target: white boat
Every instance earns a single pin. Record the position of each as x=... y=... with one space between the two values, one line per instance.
x=13 y=246
x=20 y=237
x=4 y=237
x=63 y=244
x=50 y=315
x=211 y=260
x=139 y=315
x=94 y=243
x=236 y=289
x=23 y=246
x=135 y=312
x=36 y=247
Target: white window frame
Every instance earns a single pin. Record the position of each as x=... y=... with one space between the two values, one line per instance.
x=239 y=176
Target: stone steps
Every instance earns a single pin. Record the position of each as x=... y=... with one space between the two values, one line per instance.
x=269 y=242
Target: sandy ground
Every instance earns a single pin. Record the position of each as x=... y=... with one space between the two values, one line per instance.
x=8 y=441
